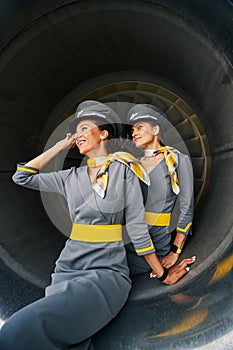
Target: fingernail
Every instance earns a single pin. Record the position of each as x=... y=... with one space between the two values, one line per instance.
x=194 y=257
x=187 y=268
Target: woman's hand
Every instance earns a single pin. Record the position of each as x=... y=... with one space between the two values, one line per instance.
x=169 y=260
x=44 y=158
x=68 y=142
x=178 y=271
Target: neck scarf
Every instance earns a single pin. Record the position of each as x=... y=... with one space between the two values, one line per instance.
x=95 y=162
x=100 y=182
x=171 y=160
x=151 y=152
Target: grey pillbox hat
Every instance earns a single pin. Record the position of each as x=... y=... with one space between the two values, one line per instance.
x=140 y=112
x=91 y=109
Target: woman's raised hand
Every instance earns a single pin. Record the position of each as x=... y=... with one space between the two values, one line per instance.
x=68 y=142
x=44 y=158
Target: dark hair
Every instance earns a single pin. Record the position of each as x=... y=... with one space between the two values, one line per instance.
x=110 y=142
x=106 y=126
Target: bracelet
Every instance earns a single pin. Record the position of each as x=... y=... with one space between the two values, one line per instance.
x=164 y=275
x=175 y=249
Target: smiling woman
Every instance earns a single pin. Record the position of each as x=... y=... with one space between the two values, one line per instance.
x=91 y=272
x=86 y=273
x=88 y=137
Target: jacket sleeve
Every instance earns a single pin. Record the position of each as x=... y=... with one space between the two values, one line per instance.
x=134 y=216
x=186 y=195
x=48 y=182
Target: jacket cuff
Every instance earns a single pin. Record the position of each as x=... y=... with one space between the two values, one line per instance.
x=146 y=250
x=28 y=169
x=185 y=230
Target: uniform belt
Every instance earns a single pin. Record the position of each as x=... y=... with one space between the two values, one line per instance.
x=157 y=219
x=96 y=233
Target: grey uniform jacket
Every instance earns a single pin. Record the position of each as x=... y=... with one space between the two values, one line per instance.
x=90 y=283
x=122 y=202
x=162 y=199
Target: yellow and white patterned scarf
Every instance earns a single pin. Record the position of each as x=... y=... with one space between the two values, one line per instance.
x=171 y=159
x=100 y=182
x=172 y=163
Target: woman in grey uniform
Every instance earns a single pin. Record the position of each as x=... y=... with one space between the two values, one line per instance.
x=90 y=283
x=171 y=178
